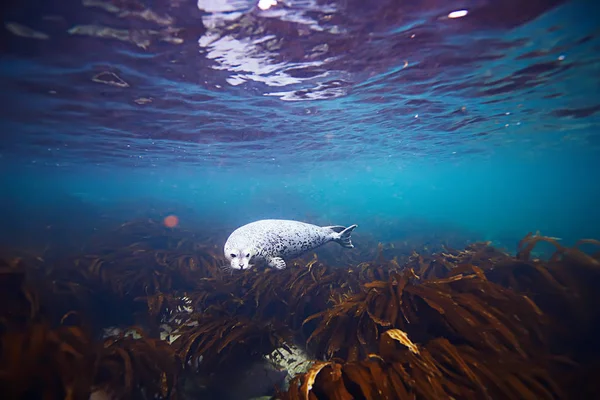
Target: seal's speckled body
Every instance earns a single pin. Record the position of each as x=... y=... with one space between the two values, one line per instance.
x=272 y=240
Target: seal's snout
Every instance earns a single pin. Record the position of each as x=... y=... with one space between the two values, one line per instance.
x=238 y=258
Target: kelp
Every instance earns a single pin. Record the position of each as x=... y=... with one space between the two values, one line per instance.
x=384 y=321
x=129 y=367
x=465 y=306
x=493 y=340
x=436 y=370
x=573 y=254
x=214 y=341
x=41 y=361
x=64 y=360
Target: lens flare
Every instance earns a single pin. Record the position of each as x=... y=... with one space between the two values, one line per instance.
x=266 y=4
x=458 y=14
x=171 y=221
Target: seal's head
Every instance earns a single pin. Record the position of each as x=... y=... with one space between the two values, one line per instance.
x=239 y=258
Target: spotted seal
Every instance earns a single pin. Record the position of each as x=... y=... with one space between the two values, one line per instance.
x=272 y=240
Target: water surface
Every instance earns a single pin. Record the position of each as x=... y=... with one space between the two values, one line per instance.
x=331 y=111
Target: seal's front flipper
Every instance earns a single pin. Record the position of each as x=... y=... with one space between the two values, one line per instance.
x=277 y=263
x=343 y=236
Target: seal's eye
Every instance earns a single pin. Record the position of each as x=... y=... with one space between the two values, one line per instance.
x=232 y=255
x=248 y=255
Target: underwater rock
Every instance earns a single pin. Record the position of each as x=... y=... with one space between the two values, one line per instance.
x=166 y=333
x=255 y=381
x=289 y=358
x=260 y=380
x=100 y=395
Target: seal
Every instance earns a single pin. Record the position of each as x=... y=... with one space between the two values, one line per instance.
x=272 y=240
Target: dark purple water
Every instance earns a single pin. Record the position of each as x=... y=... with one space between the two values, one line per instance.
x=113 y=80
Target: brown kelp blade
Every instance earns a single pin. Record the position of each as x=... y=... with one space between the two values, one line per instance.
x=389 y=322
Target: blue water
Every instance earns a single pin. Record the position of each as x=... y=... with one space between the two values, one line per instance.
x=391 y=116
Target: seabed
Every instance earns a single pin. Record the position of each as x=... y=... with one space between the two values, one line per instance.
x=148 y=312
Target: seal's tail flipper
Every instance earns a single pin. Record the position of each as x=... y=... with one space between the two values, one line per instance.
x=342 y=235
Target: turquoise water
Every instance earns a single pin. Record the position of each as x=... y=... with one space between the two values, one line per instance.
x=488 y=126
